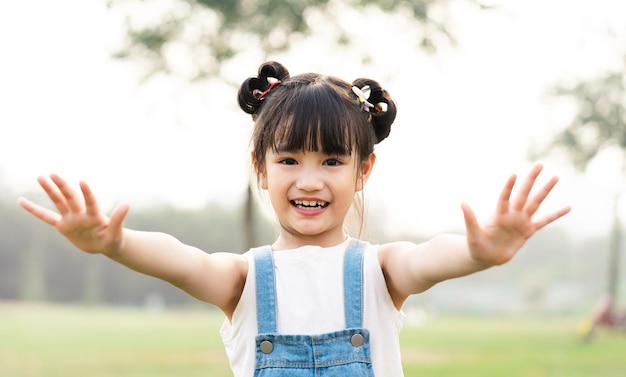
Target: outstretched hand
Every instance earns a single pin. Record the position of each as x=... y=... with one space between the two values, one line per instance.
x=79 y=218
x=497 y=240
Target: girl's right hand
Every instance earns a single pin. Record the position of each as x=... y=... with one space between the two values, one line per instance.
x=79 y=218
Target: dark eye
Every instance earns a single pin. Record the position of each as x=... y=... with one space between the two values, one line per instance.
x=332 y=162
x=288 y=161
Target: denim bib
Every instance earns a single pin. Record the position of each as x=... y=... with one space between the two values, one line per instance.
x=340 y=353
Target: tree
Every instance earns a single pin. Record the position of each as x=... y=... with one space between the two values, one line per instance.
x=214 y=32
x=599 y=126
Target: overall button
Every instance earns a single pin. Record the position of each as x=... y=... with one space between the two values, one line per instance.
x=356 y=340
x=266 y=347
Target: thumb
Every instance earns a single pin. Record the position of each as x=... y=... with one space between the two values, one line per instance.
x=116 y=221
x=471 y=223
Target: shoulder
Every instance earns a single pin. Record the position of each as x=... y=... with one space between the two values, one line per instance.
x=389 y=251
x=389 y=255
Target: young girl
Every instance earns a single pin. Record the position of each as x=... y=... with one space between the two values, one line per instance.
x=316 y=301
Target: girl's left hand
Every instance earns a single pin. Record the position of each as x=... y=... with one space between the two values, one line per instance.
x=496 y=241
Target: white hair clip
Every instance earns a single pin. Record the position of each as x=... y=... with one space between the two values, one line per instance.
x=363 y=94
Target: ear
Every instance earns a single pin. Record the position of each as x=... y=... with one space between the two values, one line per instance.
x=366 y=169
x=259 y=170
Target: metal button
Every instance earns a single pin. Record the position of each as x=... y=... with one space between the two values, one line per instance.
x=266 y=347
x=357 y=340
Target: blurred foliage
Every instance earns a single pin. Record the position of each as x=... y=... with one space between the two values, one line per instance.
x=599 y=124
x=212 y=32
x=599 y=121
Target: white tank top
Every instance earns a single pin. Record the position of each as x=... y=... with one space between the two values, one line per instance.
x=309 y=296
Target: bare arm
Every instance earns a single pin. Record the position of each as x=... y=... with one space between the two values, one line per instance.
x=411 y=268
x=215 y=278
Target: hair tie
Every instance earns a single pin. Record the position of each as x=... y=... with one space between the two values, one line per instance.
x=264 y=93
x=363 y=94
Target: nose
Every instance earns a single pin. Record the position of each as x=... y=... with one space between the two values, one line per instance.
x=310 y=179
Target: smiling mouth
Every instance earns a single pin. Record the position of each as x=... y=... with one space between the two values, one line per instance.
x=309 y=204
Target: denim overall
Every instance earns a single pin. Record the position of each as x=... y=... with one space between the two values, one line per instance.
x=341 y=353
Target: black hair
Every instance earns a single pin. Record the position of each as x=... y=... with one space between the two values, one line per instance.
x=312 y=111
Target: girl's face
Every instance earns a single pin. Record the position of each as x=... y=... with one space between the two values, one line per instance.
x=311 y=193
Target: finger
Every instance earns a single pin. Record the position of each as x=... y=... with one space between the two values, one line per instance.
x=74 y=203
x=116 y=222
x=533 y=204
x=552 y=217
x=55 y=195
x=522 y=196
x=42 y=213
x=505 y=195
x=91 y=204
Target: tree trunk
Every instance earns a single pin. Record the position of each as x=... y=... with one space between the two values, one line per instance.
x=614 y=252
x=92 y=293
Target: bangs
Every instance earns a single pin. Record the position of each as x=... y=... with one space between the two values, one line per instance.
x=323 y=124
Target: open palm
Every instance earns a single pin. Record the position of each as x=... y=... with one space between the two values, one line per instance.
x=497 y=240
x=79 y=218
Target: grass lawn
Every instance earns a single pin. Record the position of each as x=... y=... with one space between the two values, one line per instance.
x=38 y=340
x=490 y=346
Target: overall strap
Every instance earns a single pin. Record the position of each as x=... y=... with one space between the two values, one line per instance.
x=265 y=290
x=353 y=284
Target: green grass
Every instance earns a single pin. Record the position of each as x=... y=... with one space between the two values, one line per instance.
x=49 y=340
x=511 y=346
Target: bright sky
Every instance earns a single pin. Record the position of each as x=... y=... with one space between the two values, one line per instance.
x=466 y=116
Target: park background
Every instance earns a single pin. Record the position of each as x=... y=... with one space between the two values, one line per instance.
x=174 y=145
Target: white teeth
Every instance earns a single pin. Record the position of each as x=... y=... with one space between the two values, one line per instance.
x=309 y=203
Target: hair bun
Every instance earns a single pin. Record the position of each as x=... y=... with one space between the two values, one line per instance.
x=384 y=111
x=248 y=95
